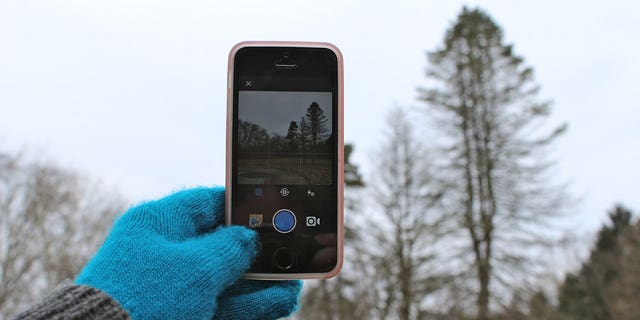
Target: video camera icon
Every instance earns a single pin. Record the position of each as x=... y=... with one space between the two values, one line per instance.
x=312 y=221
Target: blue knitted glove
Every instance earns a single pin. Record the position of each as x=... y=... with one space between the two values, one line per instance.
x=172 y=259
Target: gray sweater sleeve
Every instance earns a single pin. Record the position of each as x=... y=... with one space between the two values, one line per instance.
x=70 y=301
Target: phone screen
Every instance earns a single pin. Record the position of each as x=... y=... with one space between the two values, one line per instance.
x=284 y=161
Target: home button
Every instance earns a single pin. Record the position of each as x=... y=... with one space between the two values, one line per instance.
x=284 y=258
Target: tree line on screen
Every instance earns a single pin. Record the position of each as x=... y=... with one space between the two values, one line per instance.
x=311 y=133
x=459 y=219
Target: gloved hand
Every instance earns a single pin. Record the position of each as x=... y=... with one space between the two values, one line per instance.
x=173 y=259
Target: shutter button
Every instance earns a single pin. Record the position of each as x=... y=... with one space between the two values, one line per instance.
x=284 y=221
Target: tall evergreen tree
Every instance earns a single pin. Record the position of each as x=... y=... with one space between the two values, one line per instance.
x=304 y=134
x=607 y=285
x=293 y=135
x=317 y=120
x=483 y=99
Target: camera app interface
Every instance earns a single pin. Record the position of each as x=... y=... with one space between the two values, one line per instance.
x=284 y=171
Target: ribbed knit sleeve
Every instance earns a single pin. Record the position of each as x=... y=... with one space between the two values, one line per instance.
x=70 y=301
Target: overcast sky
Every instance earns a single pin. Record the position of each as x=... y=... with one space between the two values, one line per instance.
x=133 y=92
x=274 y=110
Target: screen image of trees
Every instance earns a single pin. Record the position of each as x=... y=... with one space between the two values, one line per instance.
x=301 y=155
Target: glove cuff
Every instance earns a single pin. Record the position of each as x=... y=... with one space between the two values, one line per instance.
x=70 y=301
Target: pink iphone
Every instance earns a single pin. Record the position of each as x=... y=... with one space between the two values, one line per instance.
x=285 y=155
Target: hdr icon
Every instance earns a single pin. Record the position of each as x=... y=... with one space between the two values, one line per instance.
x=312 y=221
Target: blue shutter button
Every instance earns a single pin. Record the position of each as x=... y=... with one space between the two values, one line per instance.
x=284 y=221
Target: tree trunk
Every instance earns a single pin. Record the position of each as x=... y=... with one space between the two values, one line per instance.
x=483 y=295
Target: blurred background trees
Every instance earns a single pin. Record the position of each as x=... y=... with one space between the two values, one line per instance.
x=608 y=283
x=51 y=221
x=391 y=270
x=462 y=215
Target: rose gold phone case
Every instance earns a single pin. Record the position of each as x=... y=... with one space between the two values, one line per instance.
x=340 y=182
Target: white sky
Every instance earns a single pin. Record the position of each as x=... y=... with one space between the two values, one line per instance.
x=133 y=92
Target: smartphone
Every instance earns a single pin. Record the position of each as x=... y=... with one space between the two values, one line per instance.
x=284 y=162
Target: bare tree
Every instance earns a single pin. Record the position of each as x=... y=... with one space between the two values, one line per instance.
x=493 y=157
x=405 y=237
x=51 y=221
x=391 y=259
